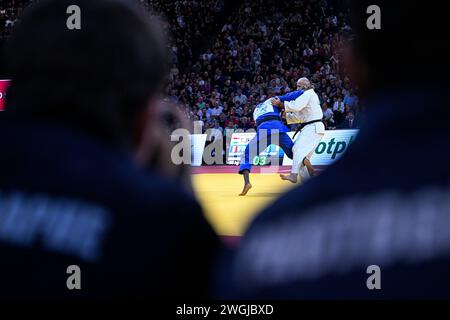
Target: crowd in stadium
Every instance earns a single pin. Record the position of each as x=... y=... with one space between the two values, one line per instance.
x=261 y=50
x=223 y=63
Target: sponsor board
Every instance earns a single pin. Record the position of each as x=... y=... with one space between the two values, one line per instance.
x=238 y=144
x=333 y=145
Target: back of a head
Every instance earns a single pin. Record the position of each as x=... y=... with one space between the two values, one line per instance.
x=96 y=78
x=409 y=47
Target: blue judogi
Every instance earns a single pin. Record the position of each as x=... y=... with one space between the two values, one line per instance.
x=268 y=118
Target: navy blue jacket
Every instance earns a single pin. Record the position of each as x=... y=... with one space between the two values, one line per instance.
x=69 y=199
x=385 y=204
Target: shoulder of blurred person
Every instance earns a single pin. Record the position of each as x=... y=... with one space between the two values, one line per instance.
x=379 y=204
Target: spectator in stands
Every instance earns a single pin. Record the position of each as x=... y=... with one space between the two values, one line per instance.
x=198 y=124
x=72 y=192
x=349 y=121
x=240 y=97
x=327 y=116
x=339 y=111
x=339 y=105
x=244 y=124
x=350 y=99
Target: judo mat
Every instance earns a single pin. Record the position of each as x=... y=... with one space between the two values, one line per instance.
x=217 y=189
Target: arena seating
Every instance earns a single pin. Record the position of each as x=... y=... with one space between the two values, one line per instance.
x=226 y=58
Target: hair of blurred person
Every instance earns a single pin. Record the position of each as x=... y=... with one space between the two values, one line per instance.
x=382 y=58
x=100 y=78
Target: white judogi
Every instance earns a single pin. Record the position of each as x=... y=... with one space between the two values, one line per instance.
x=305 y=108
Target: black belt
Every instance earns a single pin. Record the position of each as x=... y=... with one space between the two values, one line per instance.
x=302 y=125
x=270 y=118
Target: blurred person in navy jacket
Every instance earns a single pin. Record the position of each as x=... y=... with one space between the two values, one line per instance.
x=71 y=190
x=386 y=203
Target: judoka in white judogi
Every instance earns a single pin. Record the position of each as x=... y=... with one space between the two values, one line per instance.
x=306 y=111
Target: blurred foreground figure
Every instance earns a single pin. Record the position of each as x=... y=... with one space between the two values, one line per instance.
x=380 y=217
x=71 y=190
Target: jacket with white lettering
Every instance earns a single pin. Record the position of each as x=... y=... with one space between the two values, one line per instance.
x=377 y=218
x=67 y=199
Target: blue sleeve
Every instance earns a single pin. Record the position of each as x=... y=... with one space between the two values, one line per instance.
x=291 y=96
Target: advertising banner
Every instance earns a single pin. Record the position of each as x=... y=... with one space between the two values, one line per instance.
x=237 y=147
x=332 y=146
x=3 y=86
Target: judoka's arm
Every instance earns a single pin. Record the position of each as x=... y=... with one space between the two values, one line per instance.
x=291 y=96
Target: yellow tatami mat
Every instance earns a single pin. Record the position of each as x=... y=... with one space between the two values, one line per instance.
x=228 y=213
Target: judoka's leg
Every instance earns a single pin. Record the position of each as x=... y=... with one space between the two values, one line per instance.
x=246 y=165
x=247 y=184
x=306 y=169
x=258 y=144
x=304 y=146
x=308 y=166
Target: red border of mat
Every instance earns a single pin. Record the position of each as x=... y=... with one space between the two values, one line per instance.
x=234 y=169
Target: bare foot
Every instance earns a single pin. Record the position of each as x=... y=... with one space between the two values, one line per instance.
x=289 y=177
x=247 y=187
